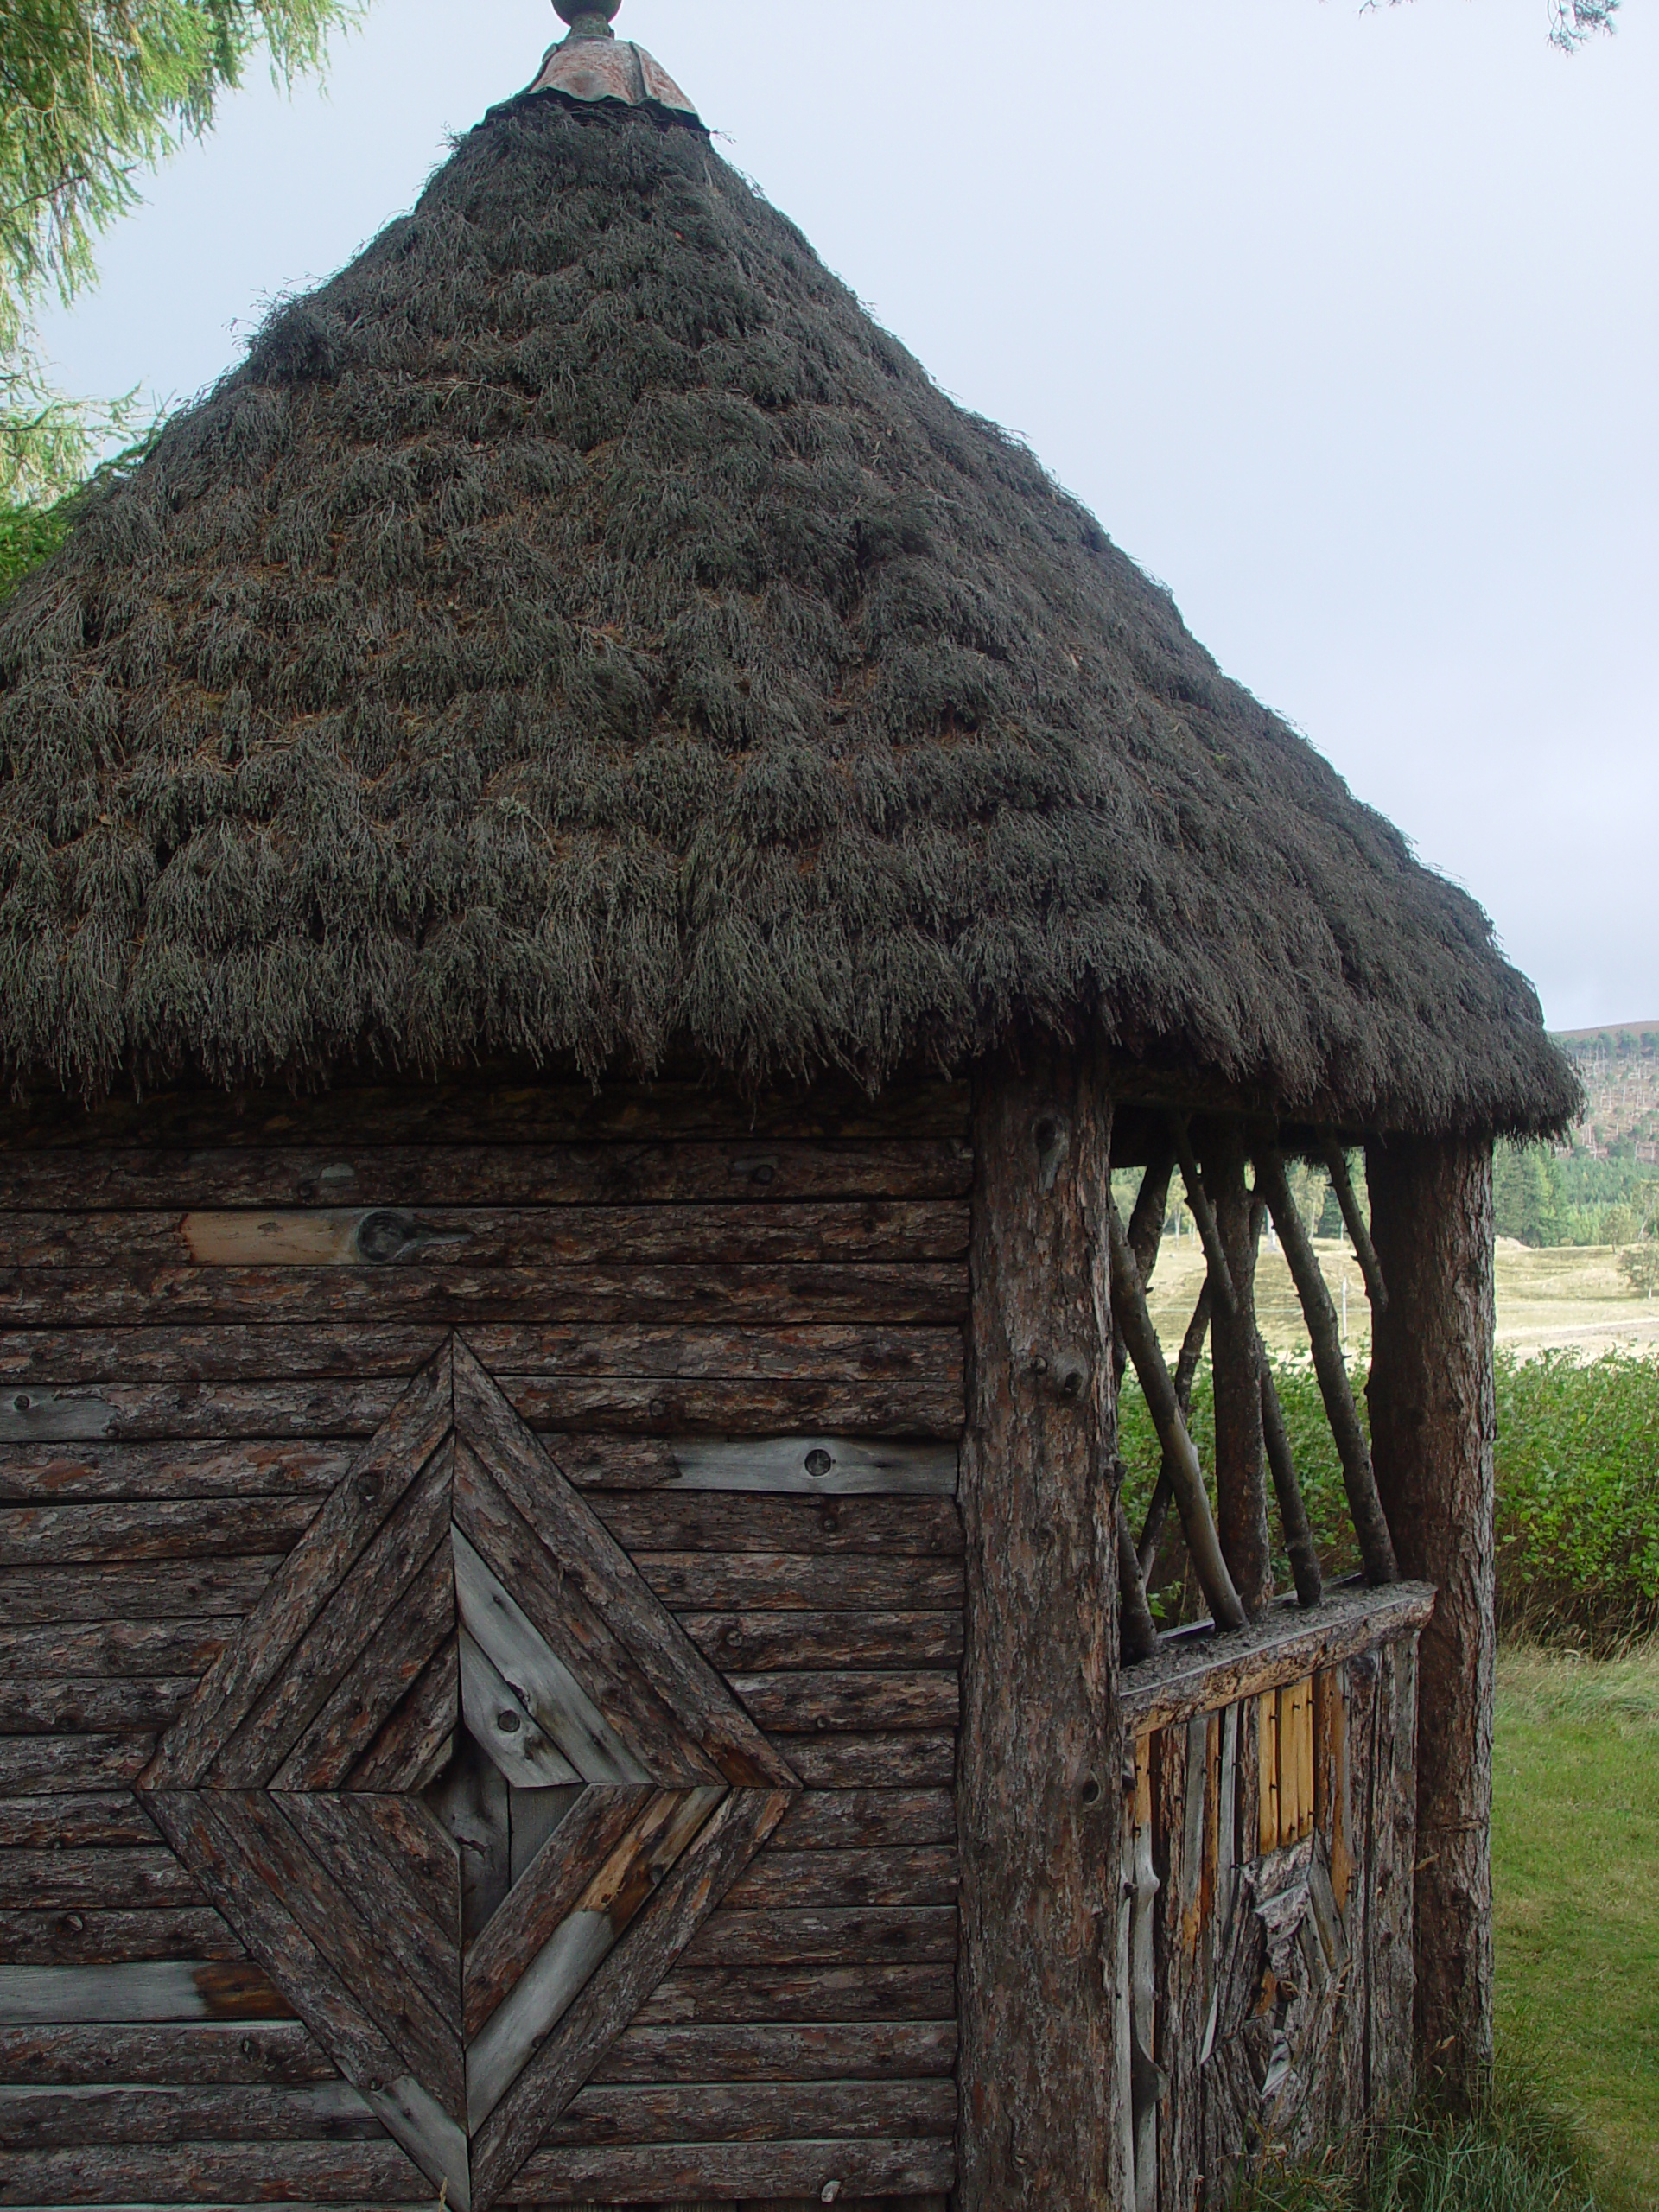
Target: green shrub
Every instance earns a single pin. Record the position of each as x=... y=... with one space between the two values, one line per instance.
x=1578 y=1495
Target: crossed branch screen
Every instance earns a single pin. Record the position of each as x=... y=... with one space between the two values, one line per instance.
x=1236 y=1182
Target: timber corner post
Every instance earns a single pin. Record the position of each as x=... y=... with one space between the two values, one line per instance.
x=1039 y=1797
x=1433 y=1422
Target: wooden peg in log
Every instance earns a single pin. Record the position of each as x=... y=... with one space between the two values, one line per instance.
x=1129 y=1303
x=1371 y=1524
x=1342 y=1182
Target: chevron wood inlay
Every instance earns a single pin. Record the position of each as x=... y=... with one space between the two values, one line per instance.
x=458 y=1658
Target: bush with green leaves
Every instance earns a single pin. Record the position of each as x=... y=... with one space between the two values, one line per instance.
x=1578 y=1490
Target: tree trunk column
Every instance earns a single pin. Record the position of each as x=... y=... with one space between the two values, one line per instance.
x=1434 y=1428
x=1039 y=1797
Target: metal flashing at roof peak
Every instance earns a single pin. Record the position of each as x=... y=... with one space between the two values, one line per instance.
x=593 y=64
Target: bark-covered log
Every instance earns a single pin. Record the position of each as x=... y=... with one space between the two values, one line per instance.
x=1139 y=1630
x=1186 y=1369
x=1293 y=1512
x=1240 y=1470
x=1342 y=1182
x=1038 y=1798
x=1371 y=1523
x=1434 y=1419
x=1180 y=1458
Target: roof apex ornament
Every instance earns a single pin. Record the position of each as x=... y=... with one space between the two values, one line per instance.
x=589 y=18
x=593 y=64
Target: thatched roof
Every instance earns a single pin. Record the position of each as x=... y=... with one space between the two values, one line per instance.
x=577 y=630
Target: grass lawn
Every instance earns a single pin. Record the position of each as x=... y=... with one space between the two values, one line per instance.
x=1576 y=1869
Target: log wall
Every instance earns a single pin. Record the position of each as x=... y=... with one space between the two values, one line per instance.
x=739 y=1331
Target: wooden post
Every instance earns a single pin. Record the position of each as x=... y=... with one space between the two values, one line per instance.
x=1241 y=1466
x=1039 y=1801
x=1434 y=1424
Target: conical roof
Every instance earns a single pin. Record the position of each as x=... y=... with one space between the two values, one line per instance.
x=577 y=629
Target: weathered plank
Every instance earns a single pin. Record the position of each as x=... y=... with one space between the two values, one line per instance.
x=39 y=1474
x=581 y=1682
x=276 y=2055
x=110 y=1650
x=697 y=1582
x=498 y=1105
x=1393 y=1972
x=817 y=1880
x=43 y=1766
x=43 y=2120
x=558 y=1875
x=914 y=1758
x=214 y=1589
x=872 y=2051
x=894 y=1528
x=1199 y=1673
x=97 y=1938
x=868 y=1820
x=312 y=1940
x=746 y=2111
x=234 y=1992
x=1184 y=1776
x=530 y=2032
x=347 y=1525
x=413 y=1747
x=247 y=1352
x=926 y=1294
x=406 y=1551
x=135 y=1413
x=213 y=2173
x=747 y=1460
x=89 y=1880
x=739 y=1433
x=599 y=1579
x=906 y=1935
x=704 y=1996
x=731 y=1234
x=80 y=1821
x=740 y=1825
x=30 y=1707
x=164 y=1528
x=795 y=1703
x=370 y=1848
x=371 y=1689
x=509 y=1173
x=825 y=2172
x=779 y=1642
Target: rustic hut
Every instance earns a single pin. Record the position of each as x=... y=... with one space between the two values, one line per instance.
x=594 y=877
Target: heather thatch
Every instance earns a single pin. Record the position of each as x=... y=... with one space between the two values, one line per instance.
x=577 y=630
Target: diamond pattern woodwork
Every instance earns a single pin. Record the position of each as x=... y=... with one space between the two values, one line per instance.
x=462 y=1785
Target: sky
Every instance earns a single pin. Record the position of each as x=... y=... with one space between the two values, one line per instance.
x=1345 y=321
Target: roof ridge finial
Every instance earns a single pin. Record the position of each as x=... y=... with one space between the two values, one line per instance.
x=589 y=18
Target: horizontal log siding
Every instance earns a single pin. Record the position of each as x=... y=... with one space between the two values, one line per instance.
x=193 y=1345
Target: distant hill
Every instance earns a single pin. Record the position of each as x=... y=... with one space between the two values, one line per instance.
x=1571 y=1038
x=1619 y=1066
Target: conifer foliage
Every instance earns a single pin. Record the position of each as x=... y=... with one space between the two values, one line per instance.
x=92 y=94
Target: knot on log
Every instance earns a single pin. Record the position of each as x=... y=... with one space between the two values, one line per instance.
x=1065 y=1373
x=1051 y=1134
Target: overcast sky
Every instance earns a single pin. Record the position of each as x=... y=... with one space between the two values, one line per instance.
x=1344 y=323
